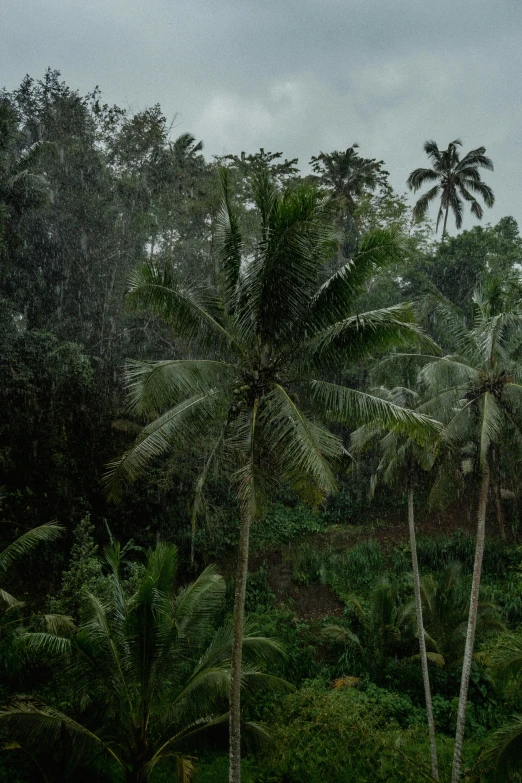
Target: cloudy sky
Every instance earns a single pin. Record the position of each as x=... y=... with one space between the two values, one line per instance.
x=298 y=76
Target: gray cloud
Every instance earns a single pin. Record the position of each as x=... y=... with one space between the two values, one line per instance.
x=295 y=75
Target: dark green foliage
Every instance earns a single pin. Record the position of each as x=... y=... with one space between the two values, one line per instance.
x=283 y=523
x=88 y=192
x=345 y=735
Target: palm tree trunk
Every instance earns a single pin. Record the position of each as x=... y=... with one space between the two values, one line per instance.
x=445 y=221
x=422 y=640
x=472 y=624
x=500 y=510
x=237 y=648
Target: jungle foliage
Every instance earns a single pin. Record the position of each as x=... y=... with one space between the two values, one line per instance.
x=250 y=335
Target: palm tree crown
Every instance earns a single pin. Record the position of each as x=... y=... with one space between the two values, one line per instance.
x=274 y=330
x=347 y=174
x=457 y=180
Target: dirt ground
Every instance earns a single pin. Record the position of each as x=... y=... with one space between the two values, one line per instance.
x=311 y=602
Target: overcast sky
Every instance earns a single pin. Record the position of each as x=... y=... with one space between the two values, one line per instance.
x=298 y=76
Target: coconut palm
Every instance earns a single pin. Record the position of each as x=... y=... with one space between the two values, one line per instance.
x=347 y=174
x=477 y=392
x=347 y=177
x=457 y=180
x=149 y=672
x=400 y=463
x=272 y=338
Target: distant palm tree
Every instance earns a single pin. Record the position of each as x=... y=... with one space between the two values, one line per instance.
x=347 y=175
x=456 y=179
x=150 y=672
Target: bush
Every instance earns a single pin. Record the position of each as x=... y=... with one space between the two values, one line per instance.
x=283 y=524
x=348 y=735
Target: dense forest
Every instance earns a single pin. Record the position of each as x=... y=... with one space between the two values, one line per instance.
x=260 y=446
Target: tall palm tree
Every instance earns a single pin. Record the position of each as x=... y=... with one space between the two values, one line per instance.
x=149 y=672
x=457 y=180
x=400 y=463
x=271 y=335
x=477 y=392
x=347 y=175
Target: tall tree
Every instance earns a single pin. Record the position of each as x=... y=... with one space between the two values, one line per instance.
x=151 y=667
x=476 y=392
x=401 y=461
x=275 y=331
x=348 y=177
x=457 y=180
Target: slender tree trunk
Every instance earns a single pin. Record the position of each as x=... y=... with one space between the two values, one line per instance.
x=422 y=640
x=445 y=221
x=500 y=511
x=237 y=648
x=472 y=625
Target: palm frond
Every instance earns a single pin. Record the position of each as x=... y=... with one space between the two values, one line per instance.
x=504 y=750
x=335 y=297
x=27 y=542
x=475 y=158
x=363 y=335
x=39 y=727
x=356 y=408
x=457 y=208
x=431 y=149
x=190 y=419
x=152 y=386
x=418 y=177
x=422 y=204
x=229 y=243
x=338 y=633
x=300 y=446
x=490 y=425
x=187 y=309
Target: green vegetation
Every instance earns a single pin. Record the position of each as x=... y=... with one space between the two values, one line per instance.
x=307 y=412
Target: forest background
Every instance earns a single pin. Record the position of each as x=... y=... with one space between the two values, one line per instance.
x=87 y=192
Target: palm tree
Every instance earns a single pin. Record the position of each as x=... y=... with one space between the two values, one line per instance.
x=456 y=179
x=347 y=175
x=477 y=392
x=149 y=672
x=274 y=330
x=400 y=463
